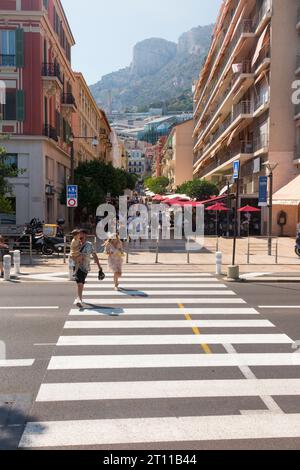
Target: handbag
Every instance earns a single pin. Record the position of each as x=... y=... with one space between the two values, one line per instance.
x=101 y=275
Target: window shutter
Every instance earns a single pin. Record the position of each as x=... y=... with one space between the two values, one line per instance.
x=20 y=47
x=20 y=105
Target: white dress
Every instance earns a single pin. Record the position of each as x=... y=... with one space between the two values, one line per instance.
x=115 y=258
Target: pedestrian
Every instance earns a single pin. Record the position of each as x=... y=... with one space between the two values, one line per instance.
x=113 y=247
x=84 y=265
x=75 y=249
x=4 y=250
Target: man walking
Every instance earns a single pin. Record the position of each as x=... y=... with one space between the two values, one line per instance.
x=84 y=264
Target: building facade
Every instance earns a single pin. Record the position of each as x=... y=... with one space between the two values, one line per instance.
x=89 y=124
x=35 y=66
x=177 y=155
x=242 y=102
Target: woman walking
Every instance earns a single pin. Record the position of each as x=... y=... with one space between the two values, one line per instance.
x=114 y=249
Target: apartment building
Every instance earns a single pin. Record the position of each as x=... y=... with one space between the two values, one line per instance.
x=242 y=101
x=35 y=66
x=177 y=155
x=90 y=126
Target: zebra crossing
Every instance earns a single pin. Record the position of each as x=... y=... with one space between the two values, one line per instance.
x=171 y=358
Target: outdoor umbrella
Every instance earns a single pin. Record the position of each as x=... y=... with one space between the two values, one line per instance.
x=219 y=207
x=249 y=209
x=158 y=198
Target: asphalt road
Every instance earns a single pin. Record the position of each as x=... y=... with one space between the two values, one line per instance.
x=175 y=361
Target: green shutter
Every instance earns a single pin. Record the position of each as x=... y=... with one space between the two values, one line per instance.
x=20 y=105
x=20 y=47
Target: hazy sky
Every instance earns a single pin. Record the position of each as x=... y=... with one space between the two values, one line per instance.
x=106 y=30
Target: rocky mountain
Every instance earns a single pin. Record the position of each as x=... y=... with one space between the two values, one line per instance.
x=161 y=72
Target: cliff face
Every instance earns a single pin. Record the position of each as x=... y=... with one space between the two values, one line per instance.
x=151 y=55
x=160 y=71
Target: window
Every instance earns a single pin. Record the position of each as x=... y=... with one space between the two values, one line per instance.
x=10 y=107
x=11 y=159
x=8 y=48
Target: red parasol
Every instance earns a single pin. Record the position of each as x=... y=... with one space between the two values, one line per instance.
x=158 y=198
x=218 y=207
x=249 y=209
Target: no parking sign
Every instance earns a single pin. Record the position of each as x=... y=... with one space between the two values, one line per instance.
x=72 y=196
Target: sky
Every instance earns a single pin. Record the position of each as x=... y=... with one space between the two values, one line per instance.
x=107 y=30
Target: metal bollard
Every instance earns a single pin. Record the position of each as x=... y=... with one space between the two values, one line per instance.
x=6 y=267
x=71 y=269
x=17 y=262
x=157 y=251
x=219 y=257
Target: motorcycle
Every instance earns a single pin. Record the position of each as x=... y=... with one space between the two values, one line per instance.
x=35 y=229
x=53 y=245
x=297 y=247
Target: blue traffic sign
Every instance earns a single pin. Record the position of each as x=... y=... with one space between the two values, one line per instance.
x=72 y=191
x=236 y=169
x=263 y=191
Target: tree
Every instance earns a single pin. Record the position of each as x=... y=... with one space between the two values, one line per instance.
x=95 y=180
x=198 y=189
x=6 y=171
x=157 y=185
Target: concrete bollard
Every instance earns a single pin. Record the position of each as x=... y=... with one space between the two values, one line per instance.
x=71 y=269
x=233 y=273
x=6 y=267
x=17 y=262
x=219 y=258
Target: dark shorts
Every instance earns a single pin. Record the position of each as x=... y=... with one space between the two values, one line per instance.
x=80 y=277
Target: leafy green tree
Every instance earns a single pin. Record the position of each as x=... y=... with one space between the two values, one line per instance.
x=5 y=205
x=157 y=185
x=198 y=189
x=6 y=171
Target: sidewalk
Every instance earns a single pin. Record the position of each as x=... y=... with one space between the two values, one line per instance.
x=262 y=267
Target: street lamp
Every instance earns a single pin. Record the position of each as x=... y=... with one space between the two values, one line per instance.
x=71 y=139
x=271 y=168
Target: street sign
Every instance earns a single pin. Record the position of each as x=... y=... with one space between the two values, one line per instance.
x=263 y=191
x=236 y=169
x=72 y=196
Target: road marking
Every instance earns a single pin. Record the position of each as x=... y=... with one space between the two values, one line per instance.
x=167 y=389
x=172 y=360
x=112 y=312
x=29 y=308
x=17 y=363
x=144 y=285
x=114 y=301
x=192 y=276
x=179 y=429
x=157 y=293
x=116 y=324
x=196 y=338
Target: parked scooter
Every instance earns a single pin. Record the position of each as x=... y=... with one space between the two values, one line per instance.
x=35 y=229
x=297 y=247
x=53 y=245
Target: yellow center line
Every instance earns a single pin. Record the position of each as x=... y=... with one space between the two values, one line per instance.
x=196 y=331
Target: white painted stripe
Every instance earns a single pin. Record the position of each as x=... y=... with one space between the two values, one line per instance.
x=179 y=429
x=141 y=340
x=167 y=389
x=29 y=308
x=17 y=363
x=111 y=312
x=162 y=301
x=168 y=275
x=172 y=360
x=279 y=306
x=157 y=293
x=115 y=324
x=143 y=285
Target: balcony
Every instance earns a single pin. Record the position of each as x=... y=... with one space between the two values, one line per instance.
x=52 y=79
x=261 y=144
x=7 y=60
x=244 y=30
x=50 y=132
x=263 y=16
x=232 y=94
x=68 y=104
x=263 y=60
x=261 y=104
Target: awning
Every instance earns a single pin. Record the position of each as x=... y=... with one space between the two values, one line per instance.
x=234 y=133
x=259 y=46
x=225 y=189
x=289 y=195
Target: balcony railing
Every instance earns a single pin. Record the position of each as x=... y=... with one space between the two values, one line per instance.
x=68 y=99
x=261 y=101
x=51 y=70
x=261 y=142
x=265 y=8
x=245 y=27
x=50 y=132
x=7 y=60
